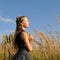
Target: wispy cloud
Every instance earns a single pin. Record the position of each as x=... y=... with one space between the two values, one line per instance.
x=7 y=20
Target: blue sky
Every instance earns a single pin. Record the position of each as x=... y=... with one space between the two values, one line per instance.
x=41 y=13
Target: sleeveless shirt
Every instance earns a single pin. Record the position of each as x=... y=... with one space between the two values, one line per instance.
x=20 y=42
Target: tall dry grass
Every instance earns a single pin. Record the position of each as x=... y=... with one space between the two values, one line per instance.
x=45 y=47
x=48 y=47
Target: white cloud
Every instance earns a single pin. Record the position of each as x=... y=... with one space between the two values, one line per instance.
x=7 y=20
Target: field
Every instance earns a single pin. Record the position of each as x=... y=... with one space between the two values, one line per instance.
x=45 y=47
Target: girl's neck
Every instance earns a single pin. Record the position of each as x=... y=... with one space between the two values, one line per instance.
x=21 y=29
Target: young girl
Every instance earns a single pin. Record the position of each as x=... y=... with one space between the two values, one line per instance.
x=21 y=40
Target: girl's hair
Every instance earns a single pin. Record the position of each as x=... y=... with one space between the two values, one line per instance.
x=19 y=26
x=18 y=22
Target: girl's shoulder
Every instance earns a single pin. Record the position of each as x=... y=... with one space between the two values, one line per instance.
x=22 y=33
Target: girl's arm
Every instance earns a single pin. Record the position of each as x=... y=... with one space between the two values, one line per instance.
x=26 y=40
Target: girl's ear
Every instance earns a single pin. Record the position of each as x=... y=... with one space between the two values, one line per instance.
x=21 y=24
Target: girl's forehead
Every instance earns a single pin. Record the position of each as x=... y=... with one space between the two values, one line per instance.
x=26 y=19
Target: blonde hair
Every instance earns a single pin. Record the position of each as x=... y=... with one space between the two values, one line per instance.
x=19 y=20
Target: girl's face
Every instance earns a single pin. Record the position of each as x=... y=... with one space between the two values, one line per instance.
x=26 y=22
